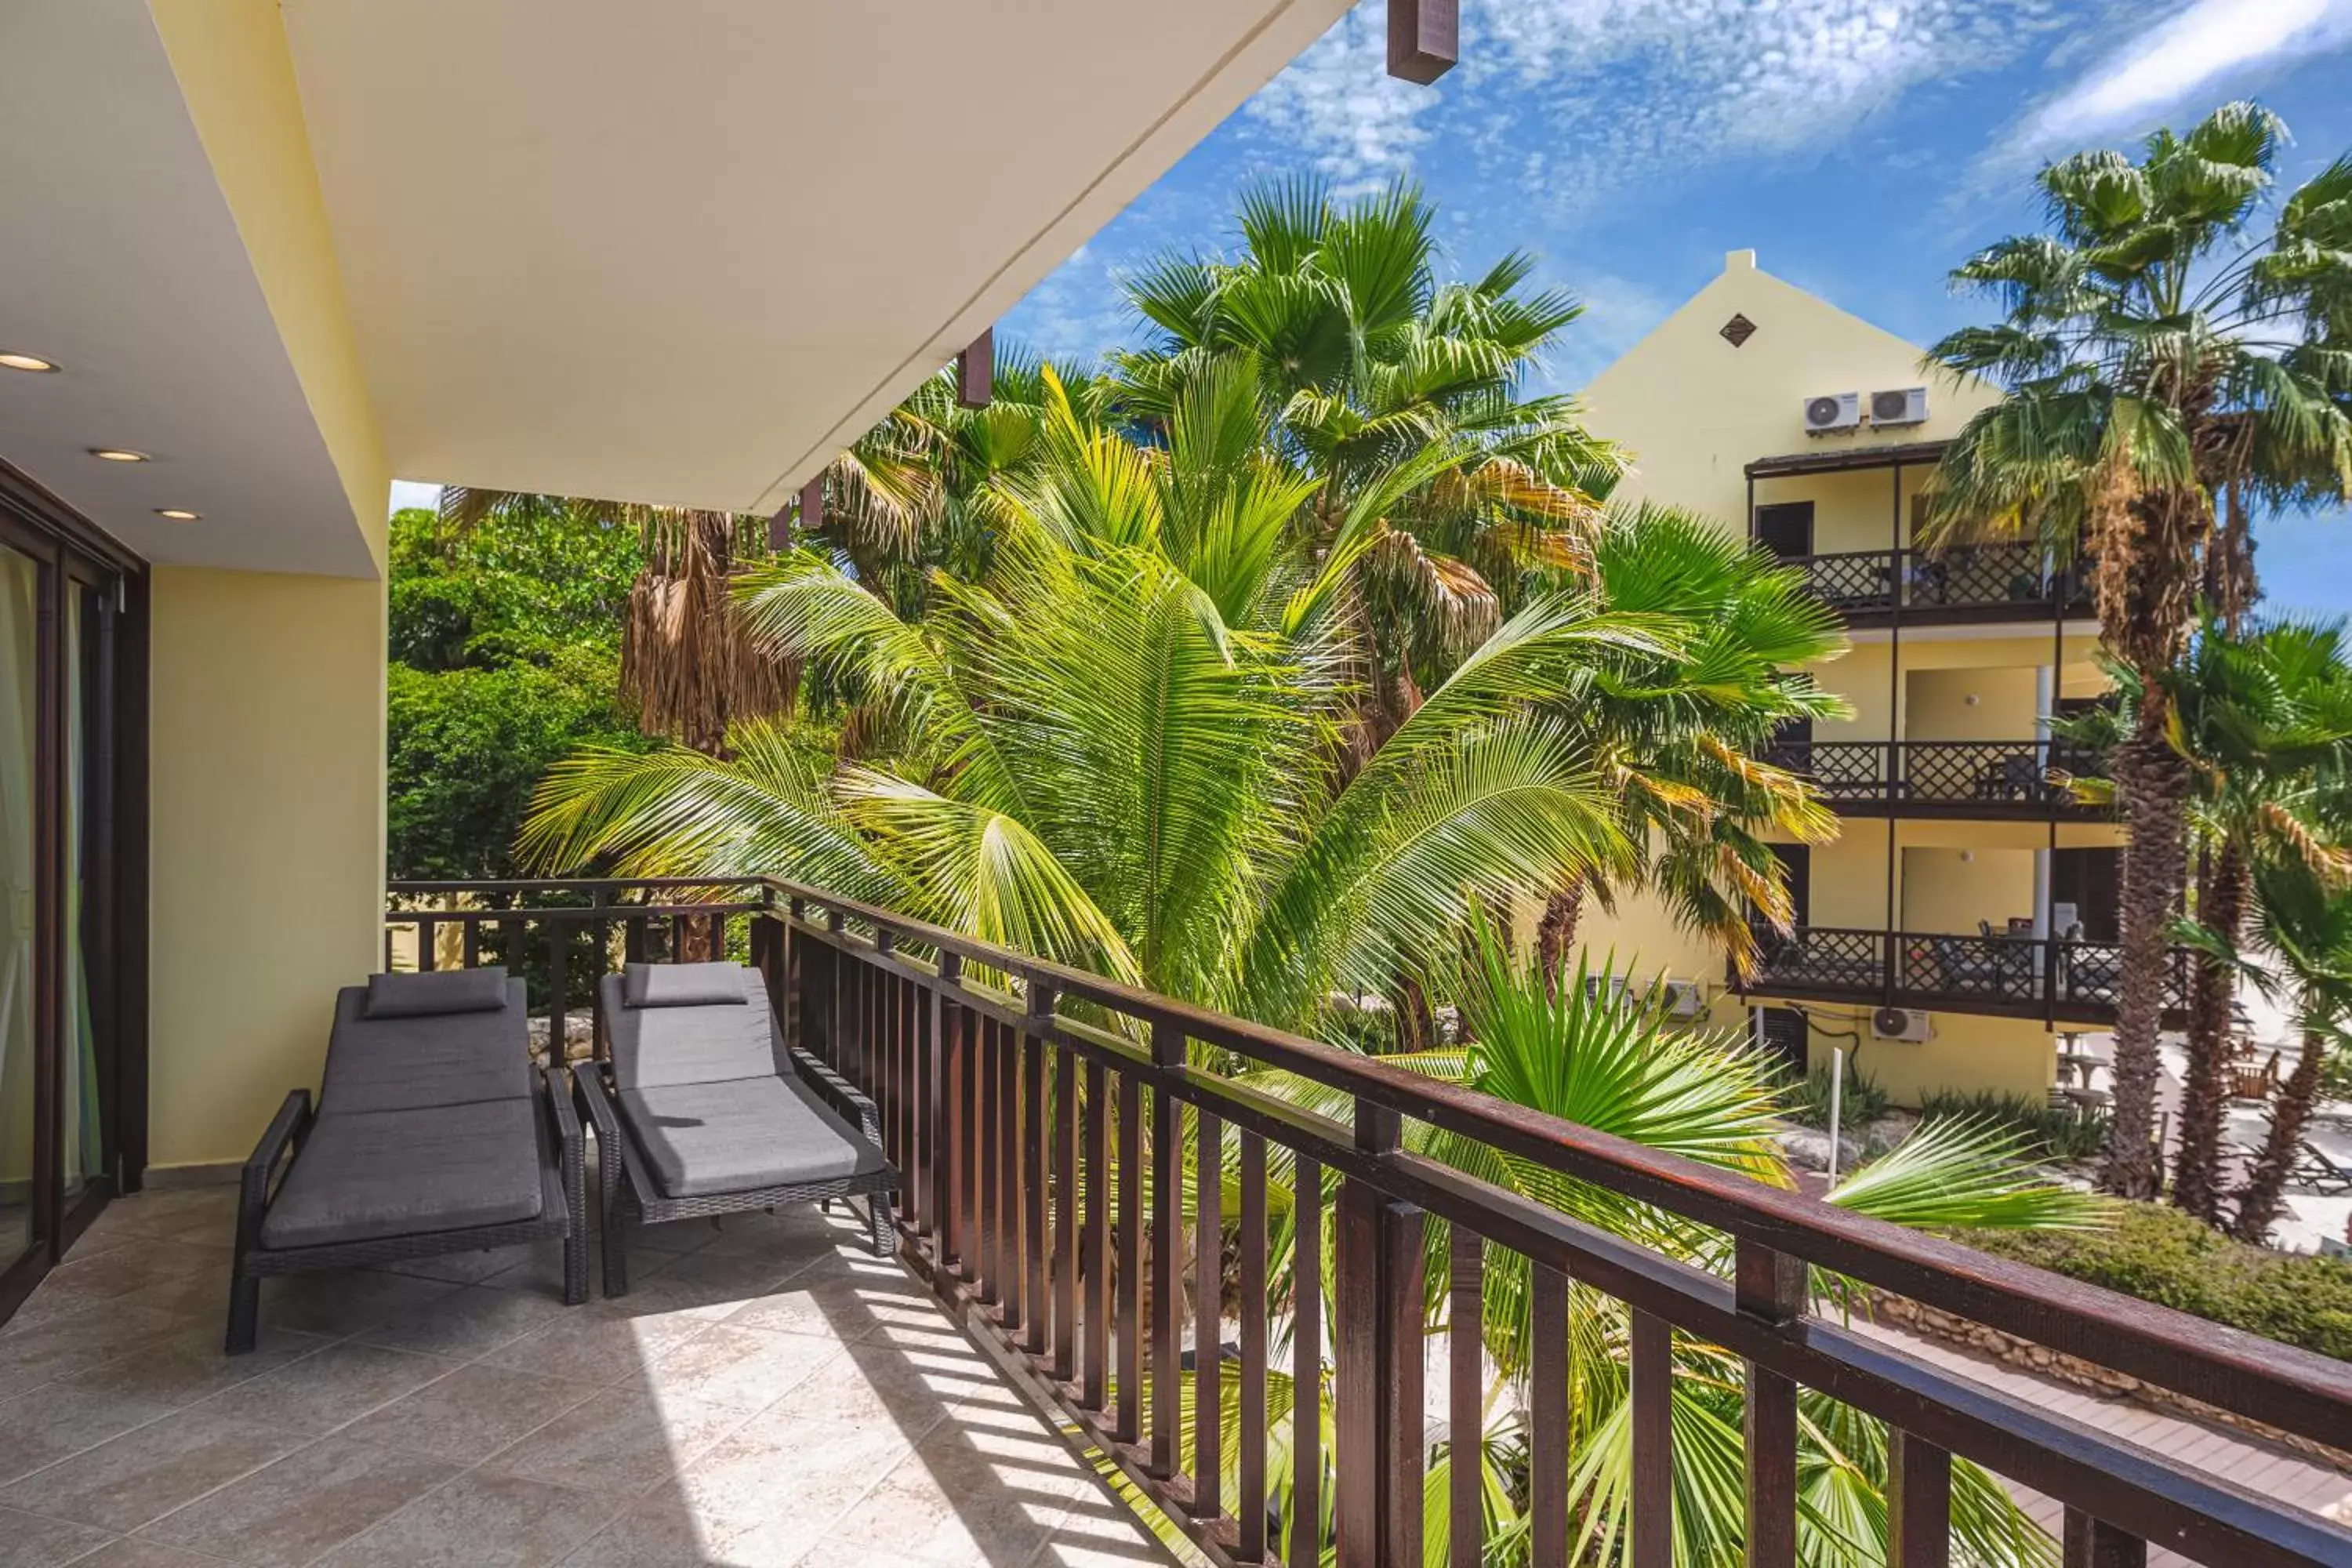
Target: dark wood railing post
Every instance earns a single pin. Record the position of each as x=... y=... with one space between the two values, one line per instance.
x=947 y=1120
x=2093 y=1543
x=1653 y=1393
x=1769 y=1284
x=1377 y=1336
x=1167 y=1254
x=1037 y=1134
x=1465 y=1406
x=1919 y=1502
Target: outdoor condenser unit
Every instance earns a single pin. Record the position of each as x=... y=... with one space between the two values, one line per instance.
x=1904 y=405
x=1833 y=411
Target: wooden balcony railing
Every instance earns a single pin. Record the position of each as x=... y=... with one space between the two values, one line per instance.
x=1969 y=583
x=1983 y=779
x=1047 y=1121
x=2025 y=976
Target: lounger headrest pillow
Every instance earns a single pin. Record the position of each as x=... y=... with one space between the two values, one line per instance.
x=682 y=986
x=444 y=991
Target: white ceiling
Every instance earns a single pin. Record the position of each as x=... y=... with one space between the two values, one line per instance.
x=678 y=252
x=120 y=261
x=685 y=252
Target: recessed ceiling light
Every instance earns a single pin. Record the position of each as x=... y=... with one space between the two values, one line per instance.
x=35 y=363
x=179 y=514
x=119 y=454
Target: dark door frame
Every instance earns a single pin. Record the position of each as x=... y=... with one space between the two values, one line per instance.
x=70 y=554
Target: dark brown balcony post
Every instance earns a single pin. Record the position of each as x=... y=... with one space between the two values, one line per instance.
x=1653 y=1442
x=1305 y=1544
x=1425 y=39
x=1131 y=1180
x=1378 y=1338
x=1036 y=1136
x=813 y=506
x=1919 y=1502
x=1208 y=1304
x=1769 y=1284
x=1547 y=1417
x=1467 y=1400
x=1167 y=1253
x=2095 y=1544
x=947 y=1119
x=976 y=371
x=1250 y=1420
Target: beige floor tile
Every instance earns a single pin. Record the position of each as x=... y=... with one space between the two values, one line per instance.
x=539 y=1269
x=333 y=1388
x=314 y=1500
x=132 y=1552
x=707 y=1284
x=851 y=1299
x=1126 y=1547
x=344 y=1301
x=32 y=1541
x=747 y=1367
x=458 y=1268
x=40 y=1429
x=661 y=1531
x=132 y=1265
x=475 y=1411
x=600 y=1343
x=38 y=1352
x=621 y=1442
x=466 y=1324
x=869 y=1384
x=148 y=1472
x=479 y=1520
x=813 y=1471
x=189 y=1364
x=949 y=1502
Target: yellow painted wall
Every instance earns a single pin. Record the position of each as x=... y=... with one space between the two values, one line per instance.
x=233 y=69
x=1968 y=1053
x=268 y=825
x=1992 y=703
x=1953 y=890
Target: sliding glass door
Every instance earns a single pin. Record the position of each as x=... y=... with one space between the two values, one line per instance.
x=20 y=599
x=64 y=912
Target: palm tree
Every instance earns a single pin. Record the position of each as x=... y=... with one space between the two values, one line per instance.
x=2169 y=371
x=1546 y=1041
x=1119 y=748
x=2306 y=924
x=1371 y=366
x=1679 y=736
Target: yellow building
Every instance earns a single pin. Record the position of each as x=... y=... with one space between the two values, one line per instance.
x=1964 y=918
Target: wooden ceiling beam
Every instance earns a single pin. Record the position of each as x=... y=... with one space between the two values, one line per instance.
x=976 y=371
x=1425 y=39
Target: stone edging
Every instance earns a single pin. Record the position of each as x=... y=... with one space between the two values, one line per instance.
x=2041 y=1361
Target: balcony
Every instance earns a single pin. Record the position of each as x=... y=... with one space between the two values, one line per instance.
x=1982 y=780
x=1073 y=1150
x=2060 y=982
x=1969 y=584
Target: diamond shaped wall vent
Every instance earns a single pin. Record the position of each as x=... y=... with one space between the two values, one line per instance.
x=1738 y=331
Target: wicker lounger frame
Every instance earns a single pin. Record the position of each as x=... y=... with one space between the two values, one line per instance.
x=629 y=1193
x=291 y=1127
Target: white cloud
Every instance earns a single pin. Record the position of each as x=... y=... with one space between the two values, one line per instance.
x=407 y=493
x=2196 y=49
x=1619 y=90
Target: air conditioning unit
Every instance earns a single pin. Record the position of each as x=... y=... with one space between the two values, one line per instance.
x=1685 y=999
x=1832 y=412
x=1613 y=990
x=1904 y=405
x=1902 y=1024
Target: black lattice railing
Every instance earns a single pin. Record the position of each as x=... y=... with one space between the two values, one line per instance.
x=2004 y=970
x=1822 y=958
x=2003 y=774
x=2089 y=974
x=1980 y=576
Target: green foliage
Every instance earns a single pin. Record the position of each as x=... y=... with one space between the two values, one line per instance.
x=2044 y=1131
x=2161 y=1255
x=505 y=642
x=1806 y=1100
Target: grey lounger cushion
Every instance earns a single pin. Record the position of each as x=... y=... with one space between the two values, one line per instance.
x=365 y=1175
x=655 y=1046
x=702 y=1138
x=686 y=984
x=413 y=1063
x=429 y=994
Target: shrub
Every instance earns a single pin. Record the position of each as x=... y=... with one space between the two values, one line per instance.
x=2048 y=1131
x=1806 y=1101
x=2158 y=1253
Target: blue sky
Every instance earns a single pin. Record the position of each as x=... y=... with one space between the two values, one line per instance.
x=1861 y=146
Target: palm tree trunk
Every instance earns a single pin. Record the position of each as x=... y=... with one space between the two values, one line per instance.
x=2258 y=1205
x=1556 y=933
x=2154 y=786
x=2220 y=909
x=1416 y=1023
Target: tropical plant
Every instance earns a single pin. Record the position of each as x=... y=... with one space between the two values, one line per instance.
x=2262 y=719
x=1120 y=747
x=1553 y=1044
x=1680 y=735
x=1371 y=367
x=2170 y=372
x=2306 y=922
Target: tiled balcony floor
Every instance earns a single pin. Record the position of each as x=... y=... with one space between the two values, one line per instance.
x=768 y=1395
